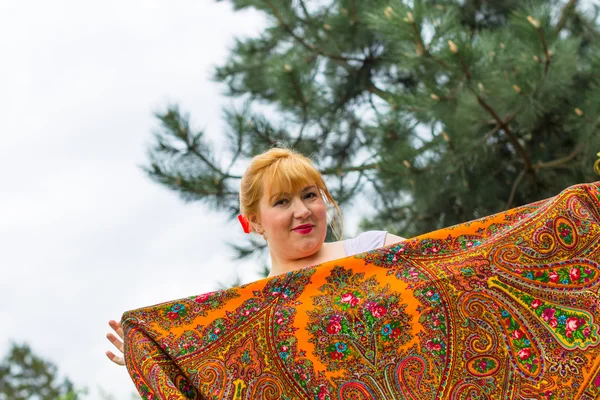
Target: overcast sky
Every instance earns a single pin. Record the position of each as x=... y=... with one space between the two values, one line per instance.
x=84 y=234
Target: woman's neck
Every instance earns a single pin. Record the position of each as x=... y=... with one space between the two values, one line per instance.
x=282 y=266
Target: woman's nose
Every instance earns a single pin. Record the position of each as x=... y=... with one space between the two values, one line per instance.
x=300 y=210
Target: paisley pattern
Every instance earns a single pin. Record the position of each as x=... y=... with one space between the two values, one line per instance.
x=504 y=307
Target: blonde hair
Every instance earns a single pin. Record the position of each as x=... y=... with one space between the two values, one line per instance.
x=286 y=171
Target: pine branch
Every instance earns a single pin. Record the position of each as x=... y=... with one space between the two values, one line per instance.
x=563 y=15
x=513 y=190
x=382 y=94
x=507 y=119
x=353 y=18
x=201 y=156
x=503 y=123
x=560 y=161
x=260 y=134
x=343 y=197
x=387 y=97
x=238 y=151
x=308 y=46
x=178 y=127
x=306 y=13
x=547 y=55
x=421 y=48
x=339 y=171
x=302 y=98
x=508 y=132
x=550 y=164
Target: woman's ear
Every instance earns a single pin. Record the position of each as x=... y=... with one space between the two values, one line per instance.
x=256 y=224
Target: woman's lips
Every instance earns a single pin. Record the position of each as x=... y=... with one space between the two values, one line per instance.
x=304 y=231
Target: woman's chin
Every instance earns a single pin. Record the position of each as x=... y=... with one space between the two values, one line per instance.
x=309 y=249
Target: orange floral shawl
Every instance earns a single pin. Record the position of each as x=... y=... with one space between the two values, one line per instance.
x=503 y=307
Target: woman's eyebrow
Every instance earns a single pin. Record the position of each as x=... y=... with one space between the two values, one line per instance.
x=277 y=195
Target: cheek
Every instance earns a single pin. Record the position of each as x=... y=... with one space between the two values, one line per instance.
x=277 y=222
x=320 y=212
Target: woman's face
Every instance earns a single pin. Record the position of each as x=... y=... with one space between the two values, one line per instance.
x=281 y=215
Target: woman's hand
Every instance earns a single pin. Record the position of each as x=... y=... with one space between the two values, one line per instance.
x=116 y=326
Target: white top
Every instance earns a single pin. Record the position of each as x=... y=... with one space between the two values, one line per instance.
x=364 y=242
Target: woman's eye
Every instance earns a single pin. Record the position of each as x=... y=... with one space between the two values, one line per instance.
x=311 y=193
x=280 y=201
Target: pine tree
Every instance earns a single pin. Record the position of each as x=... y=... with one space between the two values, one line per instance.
x=438 y=112
x=26 y=376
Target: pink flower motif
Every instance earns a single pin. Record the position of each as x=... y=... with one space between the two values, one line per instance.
x=347 y=297
x=482 y=365
x=336 y=355
x=323 y=393
x=548 y=314
x=574 y=273
x=553 y=323
x=587 y=331
x=379 y=311
x=354 y=301
x=217 y=331
x=371 y=305
x=435 y=249
x=429 y=293
x=469 y=244
x=436 y=322
x=284 y=348
x=572 y=324
x=202 y=298
x=334 y=328
x=569 y=333
x=518 y=334
x=246 y=312
x=279 y=321
x=335 y=318
x=524 y=354
x=553 y=276
x=536 y=303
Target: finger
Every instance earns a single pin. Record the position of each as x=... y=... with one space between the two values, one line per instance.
x=117 y=360
x=116 y=342
x=116 y=327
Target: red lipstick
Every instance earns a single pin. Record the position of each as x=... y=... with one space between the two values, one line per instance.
x=303 y=229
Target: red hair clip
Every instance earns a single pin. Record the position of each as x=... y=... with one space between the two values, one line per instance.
x=245 y=223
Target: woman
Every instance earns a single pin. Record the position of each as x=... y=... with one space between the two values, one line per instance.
x=287 y=202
